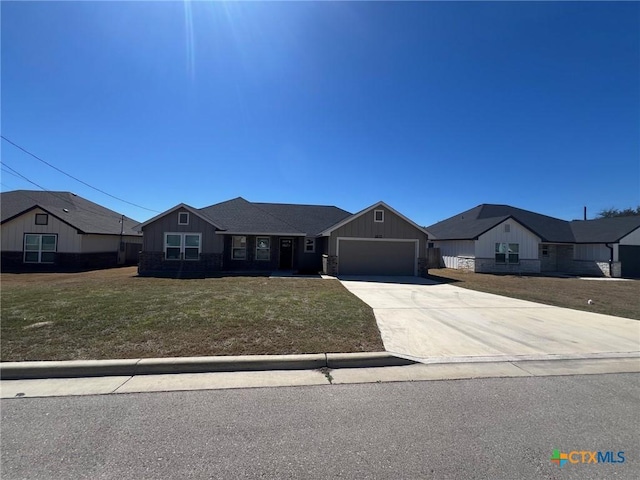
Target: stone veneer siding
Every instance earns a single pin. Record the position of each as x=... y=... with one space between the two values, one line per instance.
x=574 y=267
x=594 y=268
x=423 y=267
x=330 y=265
x=154 y=264
x=467 y=264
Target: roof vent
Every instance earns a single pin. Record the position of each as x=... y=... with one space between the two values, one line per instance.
x=66 y=210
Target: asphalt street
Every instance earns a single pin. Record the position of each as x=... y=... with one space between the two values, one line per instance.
x=496 y=428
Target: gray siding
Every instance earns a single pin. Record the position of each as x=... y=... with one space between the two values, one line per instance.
x=365 y=227
x=310 y=262
x=154 y=232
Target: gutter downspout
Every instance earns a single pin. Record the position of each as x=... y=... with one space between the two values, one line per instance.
x=121 y=246
x=610 y=247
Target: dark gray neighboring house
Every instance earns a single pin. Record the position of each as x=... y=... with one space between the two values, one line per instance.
x=52 y=231
x=238 y=235
x=505 y=239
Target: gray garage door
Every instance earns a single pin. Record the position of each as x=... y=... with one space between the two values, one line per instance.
x=376 y=257
x=629 y=256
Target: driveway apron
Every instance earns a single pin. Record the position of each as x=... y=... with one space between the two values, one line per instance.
x=433 y=322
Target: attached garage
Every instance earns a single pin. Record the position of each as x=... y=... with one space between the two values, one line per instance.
x=375 y=241
x=629 y=256
x=369 y=256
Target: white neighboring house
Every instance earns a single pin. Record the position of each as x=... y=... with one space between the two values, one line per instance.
x=62 y=231
x=504 y=239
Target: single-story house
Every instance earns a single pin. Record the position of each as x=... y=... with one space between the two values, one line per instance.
x=238 y=235
x=506 y=239
x=52 y=231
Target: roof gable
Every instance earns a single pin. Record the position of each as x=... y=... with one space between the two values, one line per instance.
x=80 y=213
x=469 y=225
x=195 y=211
x=351 y=218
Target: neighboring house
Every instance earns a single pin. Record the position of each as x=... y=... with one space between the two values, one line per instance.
x=60 y=231
x=238 y=235
x=501 y=238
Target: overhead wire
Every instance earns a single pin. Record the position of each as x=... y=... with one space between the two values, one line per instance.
x=74 y=178
x=15 y=173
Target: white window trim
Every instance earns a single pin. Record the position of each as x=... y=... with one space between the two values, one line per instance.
x=375 y=216
x=40 y=235
x=313 y=245
x=267 y=249
x=183 y=213
x=182 y=236
x=506 y=255
x=239 y=248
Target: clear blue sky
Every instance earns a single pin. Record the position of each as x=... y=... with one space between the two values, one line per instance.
x=432 y=107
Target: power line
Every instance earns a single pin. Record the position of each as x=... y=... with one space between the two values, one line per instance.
x=74 y=178
x=16 y=173
x=55 y=194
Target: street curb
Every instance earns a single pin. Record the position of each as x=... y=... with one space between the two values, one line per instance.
x=174 y=365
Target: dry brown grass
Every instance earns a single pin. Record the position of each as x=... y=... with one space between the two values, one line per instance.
x=116 y=314
x=619 y=298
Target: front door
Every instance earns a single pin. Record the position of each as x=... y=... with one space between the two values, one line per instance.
x=286 y=253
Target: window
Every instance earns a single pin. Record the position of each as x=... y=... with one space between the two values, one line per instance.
x=507 y=228
x=191 y=246
x=238 y=248
x=42 y=219
x=545 y=250
x=183 y=218
x=309 y=245
x=507 y=253
x=182 y=246
x=430 y=245
x=40 y=248
x=263 y=248
x=378 y=216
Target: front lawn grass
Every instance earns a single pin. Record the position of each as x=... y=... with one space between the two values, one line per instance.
x=618 y=298
x=116 y=314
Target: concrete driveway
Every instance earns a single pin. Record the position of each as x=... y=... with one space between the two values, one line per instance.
x=432 y=322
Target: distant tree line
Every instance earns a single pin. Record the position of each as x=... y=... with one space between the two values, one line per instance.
x=614 y=212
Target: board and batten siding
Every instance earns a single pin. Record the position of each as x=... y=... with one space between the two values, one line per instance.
x=528 y=241
x=451 y=250
x=632 y=239
x=69 y=240
x=591 y=251
x=392 y=227
x=106 y=243
x=154 y=232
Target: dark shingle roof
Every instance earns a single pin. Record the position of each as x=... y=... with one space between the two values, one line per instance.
x=472 y=223
x=82 y=214
x=604 y=230
x=240 y=215
x=310 y=219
